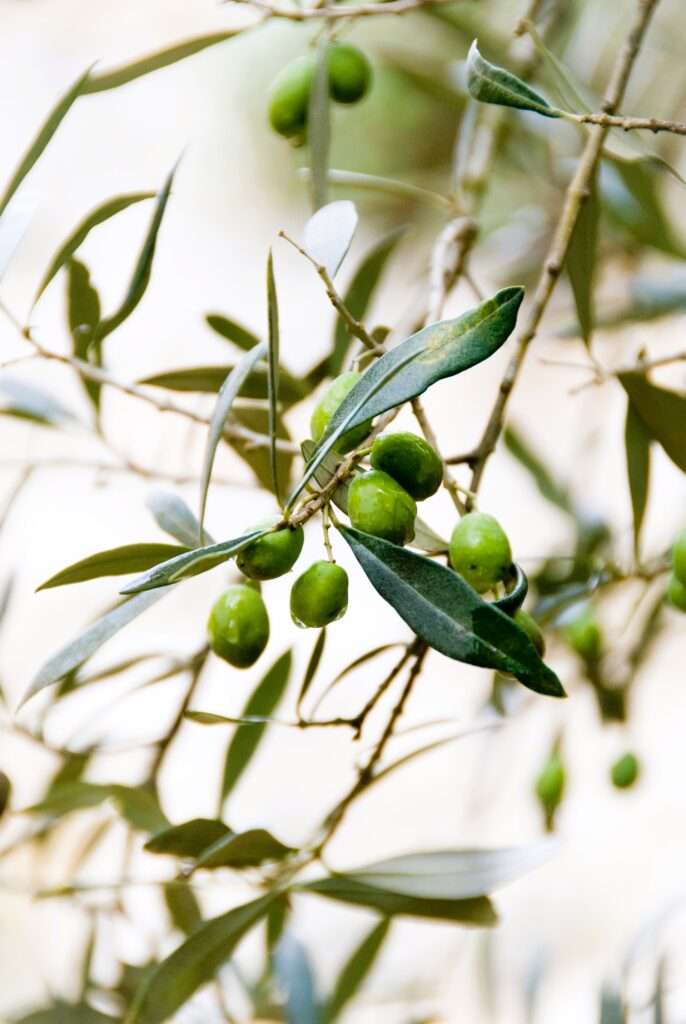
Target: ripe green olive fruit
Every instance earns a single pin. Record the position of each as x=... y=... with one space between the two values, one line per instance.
x=333 y=396
x=676 y=593
x=350 y=73
x=583 y=634
x=290 y=97
x=679 y=557
x=531 y=628
x=377 y=504
x=411 y=461
x=480 y=551
x=272 y=555
x=625 y=771
x=550 y=787
x=320 y=595
x=238 y=626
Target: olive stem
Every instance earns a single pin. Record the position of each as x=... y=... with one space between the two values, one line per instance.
x=325 y=531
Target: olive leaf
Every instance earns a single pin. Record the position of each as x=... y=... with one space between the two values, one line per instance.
x=311 y=670
x=190 y=839
x=229 y=390
x=28 y=402
x=194 y=962
x=45 y=134
x=489 y=83
x=637 y=441
x=440 y=350
x=548 y=487
x=662 y=412
x=329 y=233
x=5 y=793
x=83 y=315
x=631 y=198
x=13 y=226
x=319 y=125
x=243 y=850
x=209 y=379
x=114 y=562
x=580 y=261
x=295 y=978
x=99 y=215
x=154 y=61
x=477 y=911
x=273 y=371
x=452 y=618
x=183 y=907
x=172 y=514
x=230 y=330
x=355 y=970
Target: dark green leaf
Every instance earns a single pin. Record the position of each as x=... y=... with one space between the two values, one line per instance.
x=244 y=742
x=581 y=262
x=194 y=963
x=273 y=371
x=228 y=392
x=295 y=978
x=208 y=718
x=154 y=61
x=356 y=970
x=83 y=312
x=143 y=268
x=637 y=441
x=189 y=839
x=442 y=609
x=87 y=643
x=663 y=414
x=489 y=83
x=47 y=130
x=245 y=850
x=478 y=911
x=311 y=670
x=172 y=514
x=101 y=213
x=329 y=233
x=182 y=906
x=232 y=331
x=191 y=563
x=137 y=804
x=358 y=296
x=209 y=379
x=547 y=485
x=319 y=125
x=115 y=562
x=630 y=195
x=5 y=793
x=438 y=351
x=69 y=796
x=66 y=1013
x=29 y=402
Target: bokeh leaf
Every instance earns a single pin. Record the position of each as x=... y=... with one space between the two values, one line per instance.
x=230 y=330
x=356 y=970
x=83 y=314
x=550 y=489
x=345 y=889
x=637 y=440
x=29 y=402
x=329 y=233
x=489 y=83
x=319 y=125
x=273 y=371
x=295 y=978
x=581 y=262
x=243 y=850
x=189 y=839
x=183 y=906
x=172 y=514
x=209 y=379
x=14 y=223
x=662 y=412
x=311 y=670
x=114 y=562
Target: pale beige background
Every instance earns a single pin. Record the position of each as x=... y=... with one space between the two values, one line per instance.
x=620 y=859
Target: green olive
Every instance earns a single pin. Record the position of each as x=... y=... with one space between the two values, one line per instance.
x=679 y=557
x=380 y=506
x=676 y=593
x=550 y=786
x=480 y=551
x=290 y=97
x=625 y=771
x=583 y=634
x=350 y=73
x=411 y=461
x=272 y=555
x=337 y=390
x=531 y=628
x=320 y=595
x=238 y=626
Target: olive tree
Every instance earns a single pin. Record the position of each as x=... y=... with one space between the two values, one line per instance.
x=509 y=102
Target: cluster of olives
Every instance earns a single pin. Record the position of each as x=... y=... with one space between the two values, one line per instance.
x=350 y=75
x=550 y=785
x=676 y=588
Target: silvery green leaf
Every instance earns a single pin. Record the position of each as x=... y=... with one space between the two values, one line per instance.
x=172 y=514
x=273 y=372
x=329 y=232
x=27 y=401
x=319 y=125
x=13 y=224
x=295 y=978
x=489 y=83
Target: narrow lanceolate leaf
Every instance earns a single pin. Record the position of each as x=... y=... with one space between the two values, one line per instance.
x=45 y=134
x=550 y=489
x=194 y=963
x=311 y=670
x=154 y=61
x=209 y=379
x=489 y=83
x=191 y=563
x=183 y=906
x=101 y=213
x=441 y=608
x=637 y=441
x=87 y=643
x=319 y=126
x=83 y=315
x=441 y=350
x=225 y=399
x=356 y=970
x=662 y=412
x=114 y=562
x=246 y=739
x=143 y=268
x=343 y=888
x=453 y=874
x=273 y=370
x=29 y=402
x=329 y=232
x=581 y=262
x=13 y=225
x=245 y=850
x=232 y=331
x=189 y=839
x=172 y=514
x=295 y=978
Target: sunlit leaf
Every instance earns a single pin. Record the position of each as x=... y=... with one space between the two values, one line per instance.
x=662 y=413
x=172 y=514
x=356 y=970
x=489 y=83
x=343 y=888
x=319 y=125
x=451 y=617
x=637 y=442
x=189 y=839
x=329 y=233
x=115 y=562
x=29 y=402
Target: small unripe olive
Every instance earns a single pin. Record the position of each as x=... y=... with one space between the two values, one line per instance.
x=550 y=787
x=272 y=555
x=676 y=593
x=625 y=771
x=380 y=506
x=583 y=634
x=333 y=396
x=290 y=97
x=480 y=551
x=679 y=557
x=350 y=73
x=531 y=628
x=320 y=595
x=411 y=461
x=238 y=626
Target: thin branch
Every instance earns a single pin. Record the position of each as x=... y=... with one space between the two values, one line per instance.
x=628 y=124
x=338 y=13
